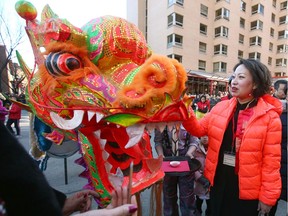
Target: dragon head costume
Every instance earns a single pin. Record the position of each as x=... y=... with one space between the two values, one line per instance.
x=102 y=86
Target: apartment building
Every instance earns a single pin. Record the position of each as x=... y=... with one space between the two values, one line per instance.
x=210 y=36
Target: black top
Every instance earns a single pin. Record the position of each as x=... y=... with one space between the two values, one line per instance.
x=23 y=187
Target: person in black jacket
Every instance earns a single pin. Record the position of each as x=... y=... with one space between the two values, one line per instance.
x=25 y=191
x=280 y=87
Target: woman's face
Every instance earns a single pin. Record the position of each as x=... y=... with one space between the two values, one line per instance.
x=242 y=84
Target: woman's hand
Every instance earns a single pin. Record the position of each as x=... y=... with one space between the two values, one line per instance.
x=263 y=208
x=80 y=201
x=119 y=205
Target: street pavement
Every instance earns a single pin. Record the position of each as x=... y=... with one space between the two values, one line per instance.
x=55 y=173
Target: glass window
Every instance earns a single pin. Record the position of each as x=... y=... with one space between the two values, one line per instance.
x=271 y=46
x=283 y=34
x=283 y=5
x=221 y=31
x=273 y=17
x=222 y=13
x=271 y=32
x=174 y=40
x=220 y=49
x=282 y=48
x=241 y=39
x=255 y=41
x=269 y=61
x=204 y=10
x=257 y=24
x=201 y=65
x=177 y=57
x=175 y=19
x=282 y=62
x=243 y=5
x=219 y=67
x=283 y=20
x=179 y=2
x=202 y=47
x=240 y=54
x=255 y=55
x=242 y=22
x=203 y=29
x=274 y=3
x=258 y=8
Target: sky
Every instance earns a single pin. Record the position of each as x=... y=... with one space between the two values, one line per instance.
x=77 y=12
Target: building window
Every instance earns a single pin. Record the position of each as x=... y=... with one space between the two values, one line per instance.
x=283 y=5
x=271 y=46
x=240 y=54
x=222 y=13
x=273 y=17
x=281 y=62
x=255 y=41
x=174 y=40
x=220 y=49
x=257 y=24
x=283 y=34
x=282 y=48
x=283 y=20
x=241 y=39
x=255 y=55
x=274 y=3
x=204 y=10
x=271 y=32
x=242 y=22
x=202 y=47
x=175 y=56
x=223 y=0
x=280 y=74
x=258 y=8
x=203 y=29
x=219 y=67
x=179 y=2
x=175 y=19
x=243 y=5
x=201 y=65
x=269 y=61
x=221 y=31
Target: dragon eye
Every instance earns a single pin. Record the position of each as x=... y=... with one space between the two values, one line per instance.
x=61 y=64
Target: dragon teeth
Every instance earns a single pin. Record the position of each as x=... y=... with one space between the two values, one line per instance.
x=135 y=133
x=68 y=124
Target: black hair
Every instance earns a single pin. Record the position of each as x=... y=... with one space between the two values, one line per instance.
x=277 y=84
x=260 y=74
x=203 y=96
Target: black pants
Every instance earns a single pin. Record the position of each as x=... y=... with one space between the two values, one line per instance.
x=199 y=203
x=16 y=125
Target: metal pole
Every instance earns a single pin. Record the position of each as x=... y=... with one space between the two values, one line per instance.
x=65 y=171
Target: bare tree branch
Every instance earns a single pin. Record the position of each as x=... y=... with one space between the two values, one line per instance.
x=11 y=36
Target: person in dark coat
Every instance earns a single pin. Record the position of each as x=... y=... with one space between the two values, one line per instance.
x=280 y=87
x=24 y=189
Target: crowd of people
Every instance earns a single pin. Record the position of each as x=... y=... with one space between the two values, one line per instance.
x=240 y=140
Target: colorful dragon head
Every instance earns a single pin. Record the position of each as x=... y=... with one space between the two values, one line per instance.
x=102 y=86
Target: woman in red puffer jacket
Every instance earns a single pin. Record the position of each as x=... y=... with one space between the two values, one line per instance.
x=243 y=158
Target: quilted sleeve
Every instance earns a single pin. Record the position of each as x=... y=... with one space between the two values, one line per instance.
x=271 y=181
x=195 y=127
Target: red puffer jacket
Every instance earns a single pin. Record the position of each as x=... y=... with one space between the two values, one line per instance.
x=260 y=150
x=15 y=112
